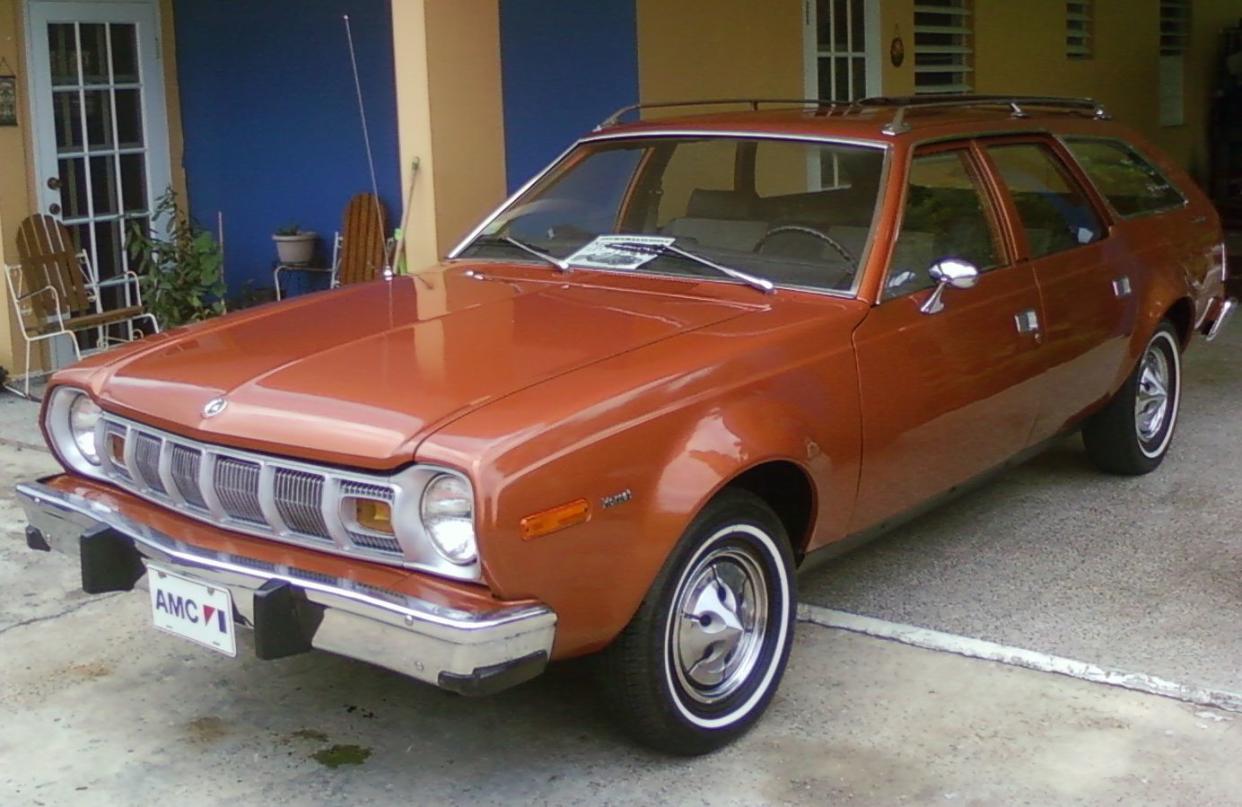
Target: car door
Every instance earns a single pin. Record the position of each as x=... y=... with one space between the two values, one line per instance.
x=1084 y=277
x=946 y=395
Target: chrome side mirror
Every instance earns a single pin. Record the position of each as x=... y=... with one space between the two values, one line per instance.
x=949 y=272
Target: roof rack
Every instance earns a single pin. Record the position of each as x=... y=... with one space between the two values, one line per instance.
x=754 y=103
x=1016 y=104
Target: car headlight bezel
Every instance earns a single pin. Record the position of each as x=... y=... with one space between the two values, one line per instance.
x=62 y=422
x=446 y=512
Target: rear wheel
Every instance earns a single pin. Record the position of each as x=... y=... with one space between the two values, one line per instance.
x=699 y=662
x=1132 y=434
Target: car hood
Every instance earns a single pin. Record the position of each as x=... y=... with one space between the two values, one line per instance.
x=359 y=376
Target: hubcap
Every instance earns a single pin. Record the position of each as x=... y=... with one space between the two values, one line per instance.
x=720 y=622
x=1151 y=405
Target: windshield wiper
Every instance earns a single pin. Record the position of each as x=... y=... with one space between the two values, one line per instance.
x=560 y=264
x=763 y=284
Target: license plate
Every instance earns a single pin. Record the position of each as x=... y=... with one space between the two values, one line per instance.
x=192 y=610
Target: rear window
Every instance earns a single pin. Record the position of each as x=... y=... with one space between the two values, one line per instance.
x=1132 y=185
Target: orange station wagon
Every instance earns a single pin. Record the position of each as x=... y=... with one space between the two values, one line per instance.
x=692 y=355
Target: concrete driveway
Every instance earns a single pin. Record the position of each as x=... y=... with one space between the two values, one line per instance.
x=1141 y=574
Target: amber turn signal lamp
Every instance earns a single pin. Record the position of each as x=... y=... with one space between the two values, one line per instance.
x=557 y=518
x=374 y=515
x=116 y=449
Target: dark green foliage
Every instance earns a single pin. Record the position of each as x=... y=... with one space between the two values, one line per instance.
x=181 y=270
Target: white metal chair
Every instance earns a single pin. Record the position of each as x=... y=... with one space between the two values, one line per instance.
x=359 y=251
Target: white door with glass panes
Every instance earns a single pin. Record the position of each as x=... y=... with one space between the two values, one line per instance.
x=100 y=125
x=841 y=44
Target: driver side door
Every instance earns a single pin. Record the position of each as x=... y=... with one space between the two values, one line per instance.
x=949 y=395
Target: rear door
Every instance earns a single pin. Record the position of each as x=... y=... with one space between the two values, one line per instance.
x=1086 y=282
x=949 y=395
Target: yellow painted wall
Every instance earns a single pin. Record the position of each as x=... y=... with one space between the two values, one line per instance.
x=17 y=166
x=1020 y=48
x=15 y=171
x=450 y=115
x=719 y=49
x=729 y=48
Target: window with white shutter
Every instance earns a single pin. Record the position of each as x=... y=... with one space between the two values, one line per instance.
x=943 y=47
x=1174 y=39
x=1078 y=29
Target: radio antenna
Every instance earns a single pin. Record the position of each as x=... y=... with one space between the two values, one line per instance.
x=366 y=134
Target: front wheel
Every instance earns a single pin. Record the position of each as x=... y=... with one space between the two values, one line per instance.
x=1132 y=434
x=701 y=659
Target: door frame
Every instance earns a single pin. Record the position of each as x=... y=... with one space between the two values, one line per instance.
x=157 y=144
x=872 y=49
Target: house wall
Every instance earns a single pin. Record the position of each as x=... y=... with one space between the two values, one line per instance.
x=272 y=131
x=18 y=179
x=16 y=169
x=1020 y=48
x=450 y=117
x=719 y=49
x=566 y=65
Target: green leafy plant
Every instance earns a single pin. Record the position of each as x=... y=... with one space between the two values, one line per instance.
x=289 y=230
x=181 y=271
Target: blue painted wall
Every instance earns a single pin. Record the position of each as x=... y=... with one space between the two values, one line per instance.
x=565 y=66
x=272 y=134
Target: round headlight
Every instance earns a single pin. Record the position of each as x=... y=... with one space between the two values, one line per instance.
x=448 y=516
x=83 y=415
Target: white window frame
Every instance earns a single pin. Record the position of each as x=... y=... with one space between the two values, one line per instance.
x=813 y=50
x=963 y=50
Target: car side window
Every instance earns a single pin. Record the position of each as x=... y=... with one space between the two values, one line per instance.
x=1132 y=185
x=1054 y=211
x=946 y=215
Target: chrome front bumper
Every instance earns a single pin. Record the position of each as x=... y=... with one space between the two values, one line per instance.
x=464 y=651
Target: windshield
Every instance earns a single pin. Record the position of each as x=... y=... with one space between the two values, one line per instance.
x=791 y=212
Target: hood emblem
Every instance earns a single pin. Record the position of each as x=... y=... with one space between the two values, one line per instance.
x=214 y=407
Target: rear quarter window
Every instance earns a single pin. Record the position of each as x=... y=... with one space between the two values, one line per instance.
x=1130 y=183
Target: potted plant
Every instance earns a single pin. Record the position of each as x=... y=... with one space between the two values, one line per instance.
x=294 y=245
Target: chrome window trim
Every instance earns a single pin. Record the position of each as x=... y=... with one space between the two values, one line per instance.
x=417 y=549
x=1064 y=140
x=849 y=294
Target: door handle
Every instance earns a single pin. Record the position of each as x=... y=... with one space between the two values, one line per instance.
x=53 y=183
x=1122 y=287
x=1027 y=322
x=1199 y=220
x=54 y=209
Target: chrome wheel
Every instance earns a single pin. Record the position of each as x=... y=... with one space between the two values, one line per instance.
x=1152 y=401
x=719 y=624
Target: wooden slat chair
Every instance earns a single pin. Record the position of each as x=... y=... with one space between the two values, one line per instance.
x=56 y=292
x=359 y=249
x=364 y=242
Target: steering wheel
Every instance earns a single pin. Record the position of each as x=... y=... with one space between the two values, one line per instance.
x=811 y=231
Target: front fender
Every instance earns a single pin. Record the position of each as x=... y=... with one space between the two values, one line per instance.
x=670 y=446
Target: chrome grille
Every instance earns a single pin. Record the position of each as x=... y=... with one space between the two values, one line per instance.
x=299 y=500
x=237 y=487
x=147 y=459
x=274 y=497
x=184 y=470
